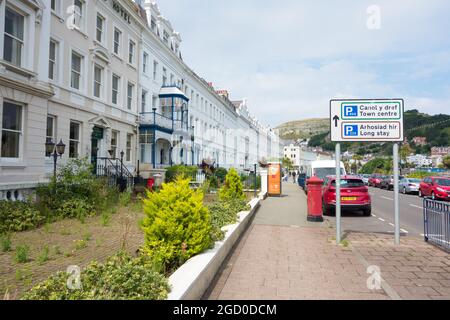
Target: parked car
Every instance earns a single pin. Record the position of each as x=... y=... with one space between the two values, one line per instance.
x=409 y=185
x=375 y=180
x=354 y=195
x=388 y=182
x=438 y=188
x=365 y=178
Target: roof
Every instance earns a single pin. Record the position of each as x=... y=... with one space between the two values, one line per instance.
x=172 y=91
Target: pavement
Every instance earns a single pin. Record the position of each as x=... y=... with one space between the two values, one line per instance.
x=282 y=256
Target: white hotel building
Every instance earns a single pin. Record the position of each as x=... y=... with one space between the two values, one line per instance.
x=106 y=76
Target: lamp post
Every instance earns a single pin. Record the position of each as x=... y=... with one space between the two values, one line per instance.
x=255 y=180
x=55 y=151
x=154 y=139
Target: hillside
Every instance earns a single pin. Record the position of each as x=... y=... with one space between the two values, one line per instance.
x=436 y=129
x=303 y=129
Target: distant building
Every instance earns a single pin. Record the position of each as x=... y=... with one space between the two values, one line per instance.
x=420 y=141
x=440 y=151
x=437 y=160
x=292 y=152
x=419 y=160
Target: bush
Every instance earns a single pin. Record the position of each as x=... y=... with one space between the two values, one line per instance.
x=75 y=208
x=18 y=216
x=121 y=277
x=232 y=189
x=224 y=213
x=419 y=174
x=5 y=241
x=185 y=171
x=176 y=226
x=221 y=174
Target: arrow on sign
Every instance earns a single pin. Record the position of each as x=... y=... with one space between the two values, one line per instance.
x=336 y=119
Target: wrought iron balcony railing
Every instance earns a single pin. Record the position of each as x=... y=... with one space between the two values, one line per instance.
x=161 y=121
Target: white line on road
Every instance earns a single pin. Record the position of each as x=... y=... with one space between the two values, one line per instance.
x=404 y=231
x=391 y=224
x=387 y=198
x=413 y=205
x=381 y=219
x=374 y=215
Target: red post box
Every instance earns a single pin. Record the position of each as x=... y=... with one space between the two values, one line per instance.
x=150 y=184
x=315 y=213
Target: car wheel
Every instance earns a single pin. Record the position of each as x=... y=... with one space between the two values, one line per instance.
x=367 y=212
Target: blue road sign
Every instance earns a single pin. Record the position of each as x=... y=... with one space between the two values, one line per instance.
x=351 y=111
x=351 y=130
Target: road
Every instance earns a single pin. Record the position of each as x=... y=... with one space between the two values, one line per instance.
x=382 y=219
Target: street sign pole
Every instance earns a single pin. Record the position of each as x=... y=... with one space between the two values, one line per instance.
x=396 y=195
x=338 y=193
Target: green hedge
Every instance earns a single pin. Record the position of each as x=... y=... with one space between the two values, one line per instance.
x=187 y=171
x=224 y=213
x=121 y=277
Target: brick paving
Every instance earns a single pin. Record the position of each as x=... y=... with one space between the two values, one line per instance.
x=101 y=243
x=283 y=257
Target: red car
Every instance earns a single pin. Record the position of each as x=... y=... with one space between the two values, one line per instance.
x=438 y=188
x=375 y=180
x=354 y=195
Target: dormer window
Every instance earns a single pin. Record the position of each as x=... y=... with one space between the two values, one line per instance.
x=14 y=37
x=165 y=37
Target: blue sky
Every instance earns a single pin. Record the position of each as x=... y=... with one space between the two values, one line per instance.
x=288 y=58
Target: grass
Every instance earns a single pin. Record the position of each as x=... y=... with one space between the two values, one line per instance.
x=65 y=232
x=5 y=243
x=105 y=219
x=57 y=250
x=87 y=236
x=43 y=255
x=22 y=254
x=47 y=228
x=24 y=275
x=80 y=244
x=345 y=243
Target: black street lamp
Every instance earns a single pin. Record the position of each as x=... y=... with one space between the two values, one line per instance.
x=55 y=151
x=192 y=143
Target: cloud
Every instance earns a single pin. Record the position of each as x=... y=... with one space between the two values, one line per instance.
x=288 y=58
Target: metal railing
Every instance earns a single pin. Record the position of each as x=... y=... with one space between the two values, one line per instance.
x=153 y=118
x=116 y=173
x=437 y=223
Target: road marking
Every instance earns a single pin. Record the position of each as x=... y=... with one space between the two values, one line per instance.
x=413 y=205
x=391 y=224
x=374 y=215
x=381 y=219
x=387 y=198
x=404 y=231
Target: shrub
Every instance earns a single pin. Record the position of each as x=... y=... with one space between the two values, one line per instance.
x=5 y=241
x=75 y=208
x=22 y=254
x=177 y=225
x=185 y=171
x=221 y=174
x=232 y=189
x=224 y=213
x=121 y=277
x=18 y=216
x=124 y=199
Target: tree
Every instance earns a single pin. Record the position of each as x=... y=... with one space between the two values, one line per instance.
x=287 y=163
x=176 y=225
x=233 y=188
x=405 y=151
x=446 y=162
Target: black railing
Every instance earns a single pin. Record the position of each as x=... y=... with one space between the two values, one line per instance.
x=437 y=223
x=116 y=173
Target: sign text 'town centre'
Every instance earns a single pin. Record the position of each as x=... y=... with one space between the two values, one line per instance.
x=366 y=120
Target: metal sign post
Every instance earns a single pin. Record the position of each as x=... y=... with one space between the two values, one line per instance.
x=367 y=120
x=396 y=196
x=338 y=193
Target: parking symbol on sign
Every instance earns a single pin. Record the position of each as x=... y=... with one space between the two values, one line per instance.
x=351 y=130
x=351 y=111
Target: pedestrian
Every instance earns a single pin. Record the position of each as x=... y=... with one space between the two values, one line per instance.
x=294 y=175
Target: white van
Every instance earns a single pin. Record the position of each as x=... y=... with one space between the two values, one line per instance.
x=323 y=168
